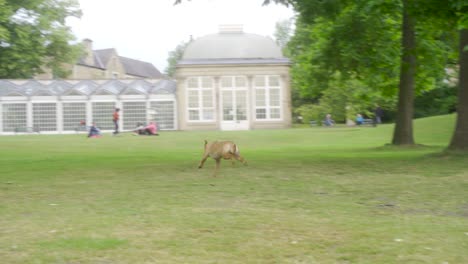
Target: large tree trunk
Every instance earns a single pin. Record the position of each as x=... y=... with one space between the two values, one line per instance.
x=460 y=136
x=403 y=133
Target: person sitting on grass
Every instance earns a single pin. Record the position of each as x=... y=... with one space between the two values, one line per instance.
x=150 y=130
x=359 y=120
x=328 y=121
x=94 y=131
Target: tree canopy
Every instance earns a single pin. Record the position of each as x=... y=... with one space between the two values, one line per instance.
x=34 y=35
x=174 y=56
x=383 y=44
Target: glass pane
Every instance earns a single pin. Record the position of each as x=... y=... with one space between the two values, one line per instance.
x=193 y=99
x=45 y=116
x=261 y=113
x=208 y=114
x=192 y=83
x=102 y=114
x=259 y=81
x=260 y=97
x=14 y=116
x=228 y=111
x=73 y=115
x=194 y=115
x=275 y=113
x=228 y=114
x=226 y=82
x=241 y=82
x=207 y=82
x=163 y=112
x=274 y=97
x=207 y=98
x=132 y=114
x=273 y=81
x=241 y=105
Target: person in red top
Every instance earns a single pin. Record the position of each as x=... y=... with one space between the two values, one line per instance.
x=151 y=130
x=115 y=118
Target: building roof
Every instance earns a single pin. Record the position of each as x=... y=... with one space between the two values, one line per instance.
x=85 y=87
x=233 y=61
x=140 y=68
x=232 y=47
x=132 y=67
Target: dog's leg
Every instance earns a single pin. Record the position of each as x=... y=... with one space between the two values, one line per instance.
x=202 y=161
x=241 y=159
x=218 y=162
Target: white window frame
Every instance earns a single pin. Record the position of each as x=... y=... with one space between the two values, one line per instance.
x=26 y=111
x=267 y=106
x=122 y=113
x=200 y=107
x=57 y=120
x=62 y=116
x=234 y=87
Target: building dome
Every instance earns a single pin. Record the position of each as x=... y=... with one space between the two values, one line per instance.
x=232 y=43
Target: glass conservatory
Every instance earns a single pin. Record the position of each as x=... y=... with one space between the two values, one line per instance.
x=67 y=106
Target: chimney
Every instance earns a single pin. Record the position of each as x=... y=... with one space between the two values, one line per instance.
x=231 y=29
x=89 y=56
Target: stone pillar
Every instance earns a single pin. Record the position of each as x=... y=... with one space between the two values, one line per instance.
x=251 y=100
x=286 y=103
x=1 y=117
x=217 y=97
x=29 y=113
x=59 y=115
x=89 y=111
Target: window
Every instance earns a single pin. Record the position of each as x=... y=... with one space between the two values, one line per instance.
x=102 y=114
x=14 y=116
x=234 y=98
x=164 y=114
x=200 y=99
x=45 y=116
x=267 y=97
x=133 y=113
x=73 y=114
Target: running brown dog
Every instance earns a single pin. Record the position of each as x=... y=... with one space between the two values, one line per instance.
x=221 y=150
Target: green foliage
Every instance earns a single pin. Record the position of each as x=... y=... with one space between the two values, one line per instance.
x=439 y=101
x=33 y=34
x=283 y=32
x=310 y=112
x=344 y=99
x=174 y=57
x=309 y=74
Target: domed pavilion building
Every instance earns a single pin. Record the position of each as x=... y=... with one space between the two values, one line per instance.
x=233 y=81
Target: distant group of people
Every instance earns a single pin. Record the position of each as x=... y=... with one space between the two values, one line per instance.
x=150 y=129
x=359 y=120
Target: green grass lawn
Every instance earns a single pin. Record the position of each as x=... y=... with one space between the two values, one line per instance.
x=309 y=195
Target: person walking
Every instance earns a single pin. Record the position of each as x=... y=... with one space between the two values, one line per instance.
x=378 y=112
x=115 y=118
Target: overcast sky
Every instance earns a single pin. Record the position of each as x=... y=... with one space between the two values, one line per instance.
x=149 y=29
